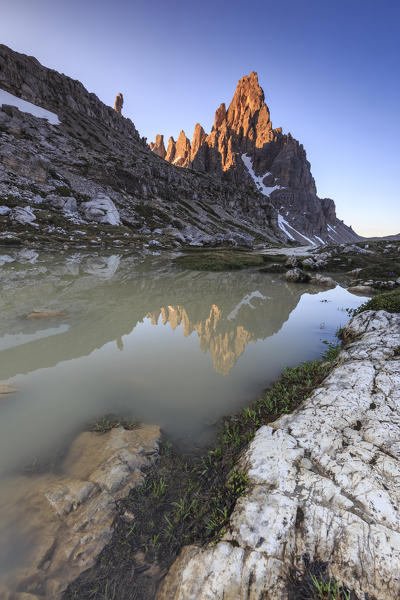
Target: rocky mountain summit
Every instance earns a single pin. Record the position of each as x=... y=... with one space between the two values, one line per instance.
x=75 y=172
x=245 y=148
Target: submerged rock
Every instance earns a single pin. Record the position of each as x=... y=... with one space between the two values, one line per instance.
x=323 y=280
x=70 y=514
x=296 y=275
x=46 y=313
x=323 y=485
x=6 y=389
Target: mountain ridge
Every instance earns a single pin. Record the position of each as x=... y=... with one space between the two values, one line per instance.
x=90 y=178
x=244 y=146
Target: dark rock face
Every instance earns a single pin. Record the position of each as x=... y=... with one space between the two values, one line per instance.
x=245 y=147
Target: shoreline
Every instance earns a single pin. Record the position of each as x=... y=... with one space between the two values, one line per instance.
x=179 y=486
x=157 y=574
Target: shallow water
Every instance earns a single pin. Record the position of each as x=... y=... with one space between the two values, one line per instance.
x=145 y=339
x=142 y=338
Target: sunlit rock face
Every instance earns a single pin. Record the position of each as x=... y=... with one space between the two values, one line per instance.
x=158 y=147
x=245 y=147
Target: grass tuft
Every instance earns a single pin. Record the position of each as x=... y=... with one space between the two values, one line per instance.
x=389 y=301
x=111 y=421
x=219 y=260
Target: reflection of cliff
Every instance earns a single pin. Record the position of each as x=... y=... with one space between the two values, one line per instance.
x=226 y=342
x=227 y=310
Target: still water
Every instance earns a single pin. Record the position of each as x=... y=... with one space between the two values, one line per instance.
x=144 y=339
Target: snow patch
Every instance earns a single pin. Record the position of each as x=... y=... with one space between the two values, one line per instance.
x=282 y=224
x=258 y=180
x=28 y=107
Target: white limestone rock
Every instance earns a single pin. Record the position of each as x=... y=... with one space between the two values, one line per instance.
x=101 y=210
x=23 y=215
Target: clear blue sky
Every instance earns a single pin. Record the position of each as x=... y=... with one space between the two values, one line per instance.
x=329 y=69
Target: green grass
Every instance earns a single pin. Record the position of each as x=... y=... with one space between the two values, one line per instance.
x=314 y=583
x=389 y=301
x=188 y=498
x=111 y=421
x=219 y=260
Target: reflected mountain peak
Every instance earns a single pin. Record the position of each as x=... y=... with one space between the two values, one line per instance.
x=107 y=297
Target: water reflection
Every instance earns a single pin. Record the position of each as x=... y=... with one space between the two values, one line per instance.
x=104 y=303
x=173 y=347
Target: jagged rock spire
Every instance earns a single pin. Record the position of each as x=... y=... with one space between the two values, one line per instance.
x=158 y=147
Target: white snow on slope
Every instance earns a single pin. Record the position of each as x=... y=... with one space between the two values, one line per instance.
x=28 y=107
x=258 y=180
x=282 y=224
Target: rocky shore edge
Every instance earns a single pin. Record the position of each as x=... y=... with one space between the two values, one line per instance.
x=304 y=500
x=323 y=486
x=300 y=490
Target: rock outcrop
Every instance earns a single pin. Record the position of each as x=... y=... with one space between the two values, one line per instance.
x=69 y=515
x=323 y=486
x=158 y=147
x=119 y=103
x=244 y=145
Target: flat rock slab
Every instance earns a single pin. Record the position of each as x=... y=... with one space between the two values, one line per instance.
x=66 y=519
x=46 y=314
x=324 y=483
x=6 y=389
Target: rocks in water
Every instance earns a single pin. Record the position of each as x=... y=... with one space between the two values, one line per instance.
x=6 y=389
x=101 y=210
x=119 y=103
x=363 y=290
x=323 y=280
x=296 y=275
x=70 y=514
x=46 y=313
x=323 y=486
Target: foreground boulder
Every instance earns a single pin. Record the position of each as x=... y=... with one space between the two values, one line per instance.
x=68 y=515
x=323 y=486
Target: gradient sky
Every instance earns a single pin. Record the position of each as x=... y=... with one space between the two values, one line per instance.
x=329 y=69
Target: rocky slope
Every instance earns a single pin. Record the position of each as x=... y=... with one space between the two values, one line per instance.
x=323 y=487
x=245 y=147
x=79 y=174
x=84 y=176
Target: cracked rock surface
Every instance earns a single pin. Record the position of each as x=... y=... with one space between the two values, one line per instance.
x=324 y=482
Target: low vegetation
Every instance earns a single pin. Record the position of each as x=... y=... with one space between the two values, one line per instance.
x=314 y=583
x=389 y=301
x=111 y=421
x=219 y=260
x=188 y=498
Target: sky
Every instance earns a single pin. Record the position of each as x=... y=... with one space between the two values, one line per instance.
x=329 y=70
